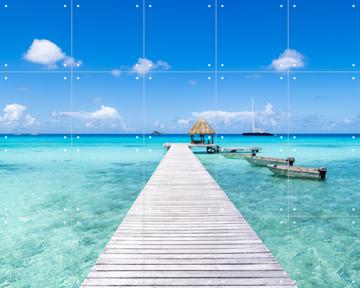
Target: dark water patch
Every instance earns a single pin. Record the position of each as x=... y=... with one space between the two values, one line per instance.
x=15 y=168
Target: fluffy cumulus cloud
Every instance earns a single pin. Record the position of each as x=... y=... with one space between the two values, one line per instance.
x=14 y=116
x=105 y=117
x=144 y=66
x=236 y=119
x=47 y=53
x=289 y=59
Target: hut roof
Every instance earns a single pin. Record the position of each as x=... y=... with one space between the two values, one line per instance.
x=201 y=127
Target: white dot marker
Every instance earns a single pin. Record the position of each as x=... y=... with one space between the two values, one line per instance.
x=150 y=5
x=209 y=78
x=281 y=78
x=5 y=137
x=294 y=5
x=77 y=137
x=209 y=65
x=222 y=65
x=150 y=150
x=353 y=6
x=78 y=150
x=65 y=209
x=65 y=150
x=294 y=222
x=78 y=209
x=65 y=78
x=137 y=6
x=222 y=78
x=281 y=5
x=150 y=78
x=222 y=137
x=294 y=78
x=353 y=78
x=294 y=137
x=6 y=65
x=137 y=150
x=137 y=78
x=294 y=150
x=65 y=6
x=150 y=137
x=353 y=222
x=78 y=64
x=353 y=137
x=353 y=65
x=222 y=6
x=78 y=6
x=65 y=137
x=353 y=209
x=281 y=137
x=65 y=65
x=209 y=6
x=78 y=78
x=5 y=77
x=6 y=150
x=137 y=137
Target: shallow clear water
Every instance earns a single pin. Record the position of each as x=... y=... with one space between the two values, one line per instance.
x=61 y=200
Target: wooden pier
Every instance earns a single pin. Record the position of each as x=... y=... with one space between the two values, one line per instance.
x=183 y=231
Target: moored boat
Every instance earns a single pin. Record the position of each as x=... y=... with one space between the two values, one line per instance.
x=298 y=172
x=235 y=155
x=263 y=161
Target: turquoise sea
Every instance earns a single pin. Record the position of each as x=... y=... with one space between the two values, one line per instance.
x=62 y=197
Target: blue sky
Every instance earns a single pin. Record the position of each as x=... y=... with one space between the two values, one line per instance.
x=107 y=94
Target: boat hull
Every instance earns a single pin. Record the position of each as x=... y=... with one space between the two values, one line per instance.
x=264 y=161
x=234 y=155
x=297 y=172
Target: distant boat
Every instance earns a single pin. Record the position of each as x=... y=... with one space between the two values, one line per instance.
x=156 y=133
x=264 y=161
x=255 y=131
x=298 y=172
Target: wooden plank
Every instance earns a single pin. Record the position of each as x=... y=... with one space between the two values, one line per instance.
x=183 y=230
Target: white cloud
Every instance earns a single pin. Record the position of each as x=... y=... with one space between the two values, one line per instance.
x=45 y=52
x=183 y=121
x=29 y=121
x=70 y=61
x=289 y=59
x=158 y=124
x=14 y=116
x=116 y=72
x=160 y=64
x=144 y=66
x=228 y=118
x=106 y=116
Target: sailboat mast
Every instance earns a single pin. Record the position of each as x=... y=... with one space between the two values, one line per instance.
x=253 y=114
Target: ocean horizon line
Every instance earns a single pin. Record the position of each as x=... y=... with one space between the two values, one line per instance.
x=174 y=134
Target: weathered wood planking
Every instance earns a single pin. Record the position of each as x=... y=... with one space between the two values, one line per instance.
x=183 y=231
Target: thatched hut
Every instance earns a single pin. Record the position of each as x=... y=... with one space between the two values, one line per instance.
x=199 y=131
